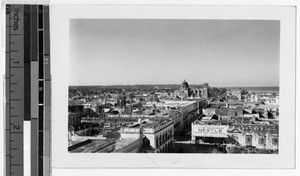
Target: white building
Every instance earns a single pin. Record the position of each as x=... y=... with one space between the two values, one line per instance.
x=154 y=136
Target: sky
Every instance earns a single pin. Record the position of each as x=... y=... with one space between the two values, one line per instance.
x=167 y=51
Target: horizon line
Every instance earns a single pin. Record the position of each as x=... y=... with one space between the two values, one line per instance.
x=172 y=84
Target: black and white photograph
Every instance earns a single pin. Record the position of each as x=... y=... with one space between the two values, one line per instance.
x=185 y=87
x=174 y=86
x=130 y=87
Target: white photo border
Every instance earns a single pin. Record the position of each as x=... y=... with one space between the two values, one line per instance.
x=60 y=17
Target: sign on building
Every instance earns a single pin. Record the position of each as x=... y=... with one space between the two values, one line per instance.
x=210 y=130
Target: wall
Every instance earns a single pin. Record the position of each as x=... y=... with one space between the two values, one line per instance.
x=166 y=147
x=108 y=149
x=130 y=133
x=257 y=131
x=164 y=140
x=235 y=112
x=133 y=147
x=209 y=111
x=151 y=138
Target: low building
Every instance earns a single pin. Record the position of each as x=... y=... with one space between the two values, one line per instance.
x=201 y=91
x=188 y=109
x=239 y=131
x=223 y=110
x=155 y=136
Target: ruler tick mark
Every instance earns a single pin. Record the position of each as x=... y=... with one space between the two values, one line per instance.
x=15 y=34
x=16 y=132
x=17 y=51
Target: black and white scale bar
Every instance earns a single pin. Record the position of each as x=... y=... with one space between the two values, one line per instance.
x=14 y=110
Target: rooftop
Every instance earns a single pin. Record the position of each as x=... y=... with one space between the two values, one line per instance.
x=93 y=146
x=120 y=143
x=148 y=123
x=227 y=120
x=172 y=103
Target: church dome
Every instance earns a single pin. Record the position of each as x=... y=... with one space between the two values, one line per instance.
x=184 y=84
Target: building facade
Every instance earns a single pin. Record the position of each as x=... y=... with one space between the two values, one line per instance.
x=154 y=136
x=236 y=131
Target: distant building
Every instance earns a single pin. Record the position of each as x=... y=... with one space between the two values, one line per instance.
x=223 y=111
x=188 y=110
x=121 y=102
x=237 y=93
x=129 y=109
x=185 y=92
x=201 y=91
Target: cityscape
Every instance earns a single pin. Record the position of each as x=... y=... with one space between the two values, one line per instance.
x=174 y=86
x=173 y=119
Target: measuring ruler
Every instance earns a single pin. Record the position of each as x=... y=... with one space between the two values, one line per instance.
x=27 y=86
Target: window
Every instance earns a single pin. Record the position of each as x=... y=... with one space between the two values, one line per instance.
x=262 y=141
x=261 y=128
x=248 y=139
x=156 y=141
x=275 y=141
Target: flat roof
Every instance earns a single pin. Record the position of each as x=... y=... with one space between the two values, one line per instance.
x=94 y=146
x=146 y=124
x=209 y=120
x=120 y=143
x=172 y=103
